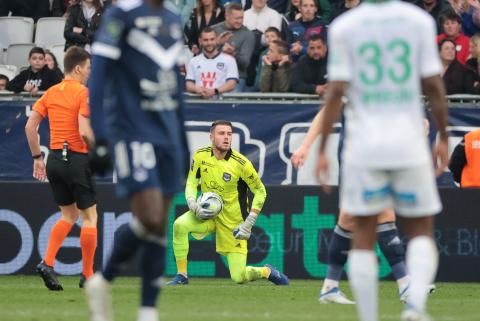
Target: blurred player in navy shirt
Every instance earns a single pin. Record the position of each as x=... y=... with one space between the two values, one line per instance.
x=135 y=99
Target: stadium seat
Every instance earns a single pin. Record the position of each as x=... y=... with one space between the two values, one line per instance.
x=15 y=30
x=17 y=54
x=58 y=51
x=8 y=70
x=49 y=31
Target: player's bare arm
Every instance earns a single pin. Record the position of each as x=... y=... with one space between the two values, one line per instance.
x=86 y=131
x=300 y=155
x=434 y=90
x=332 y=109
x=31 y=130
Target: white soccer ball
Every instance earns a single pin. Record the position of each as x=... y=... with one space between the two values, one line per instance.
x=212 y=202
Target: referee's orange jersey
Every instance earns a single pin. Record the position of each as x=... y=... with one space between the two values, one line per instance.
x=62 y=104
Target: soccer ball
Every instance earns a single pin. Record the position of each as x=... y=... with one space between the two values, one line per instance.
x=212 y=202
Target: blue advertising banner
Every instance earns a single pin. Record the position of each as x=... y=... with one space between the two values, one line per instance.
x=266 y=132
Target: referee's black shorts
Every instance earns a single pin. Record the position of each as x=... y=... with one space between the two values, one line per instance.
x=71 y=180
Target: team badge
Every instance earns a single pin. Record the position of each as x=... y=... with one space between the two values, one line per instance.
x=227 y=177
x=220 y=65
x=114 y=29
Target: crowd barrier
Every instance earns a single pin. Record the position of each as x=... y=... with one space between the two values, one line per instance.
x=268 y=128
x=292 y=233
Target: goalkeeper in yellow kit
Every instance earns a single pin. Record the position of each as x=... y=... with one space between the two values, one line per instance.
x=229 y=174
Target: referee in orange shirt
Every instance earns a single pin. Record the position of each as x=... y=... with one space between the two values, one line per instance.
x=68 y=171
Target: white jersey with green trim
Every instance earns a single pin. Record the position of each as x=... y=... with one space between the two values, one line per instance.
x=383 y=50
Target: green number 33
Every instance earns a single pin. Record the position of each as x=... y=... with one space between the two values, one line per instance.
x=372 y=53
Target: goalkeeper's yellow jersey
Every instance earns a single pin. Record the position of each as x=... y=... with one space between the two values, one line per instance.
x=230 y=178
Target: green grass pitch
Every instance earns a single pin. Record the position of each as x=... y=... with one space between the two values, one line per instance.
x=24 y=298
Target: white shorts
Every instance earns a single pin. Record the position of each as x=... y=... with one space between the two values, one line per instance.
x=411 y=191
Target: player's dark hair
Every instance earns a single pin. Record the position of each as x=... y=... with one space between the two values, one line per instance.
x=220 y=122
x=275 y=30
x=36 y=50
x=233 y=6
x=73 y=57
x=207 y=30
x=316 y=37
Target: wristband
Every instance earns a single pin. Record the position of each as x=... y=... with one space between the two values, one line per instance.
x=37 y=156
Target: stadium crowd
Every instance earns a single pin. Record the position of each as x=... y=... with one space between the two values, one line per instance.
x=277 y=45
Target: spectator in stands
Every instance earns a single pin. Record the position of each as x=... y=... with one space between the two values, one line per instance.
x=83 y=20
x=472 y=62
x=206 y=13
x=302 y=29
x=60 y=7
x=259 y=17
x=436 y=8
x=452 y=29
x=465 y=161
x=37 y=77
x=52 y=63
x=35 y=9
x=236 y=40
x=271 y=34
x=185 y=7
x=276 y=70
x=469 y=11
x=212 y=72
x=310 y=73
x=458 y=79
x=293 y=13
x=3 y=82
x=341 y=7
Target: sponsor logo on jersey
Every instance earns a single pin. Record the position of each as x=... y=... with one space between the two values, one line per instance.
x=227 y=177
x=214 y=186
x=207 y=164
x=208 y=79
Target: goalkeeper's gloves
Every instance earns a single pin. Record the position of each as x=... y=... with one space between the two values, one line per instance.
x=244 y=230
x=200 y=212
x=100 y=159
x=192 y=205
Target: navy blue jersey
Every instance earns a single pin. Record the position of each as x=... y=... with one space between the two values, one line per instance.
x=135 y=85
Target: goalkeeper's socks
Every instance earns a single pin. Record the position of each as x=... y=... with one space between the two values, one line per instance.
x=393 y=250
x=182 y=267
x=363 y=275
x=126 y=244
x=58 y=234
x=337 y=257
x=422 y=262
x=88 y=243
x=152 y=265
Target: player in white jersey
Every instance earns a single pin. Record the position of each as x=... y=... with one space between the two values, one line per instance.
x=211 y=72
x=381 y=55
